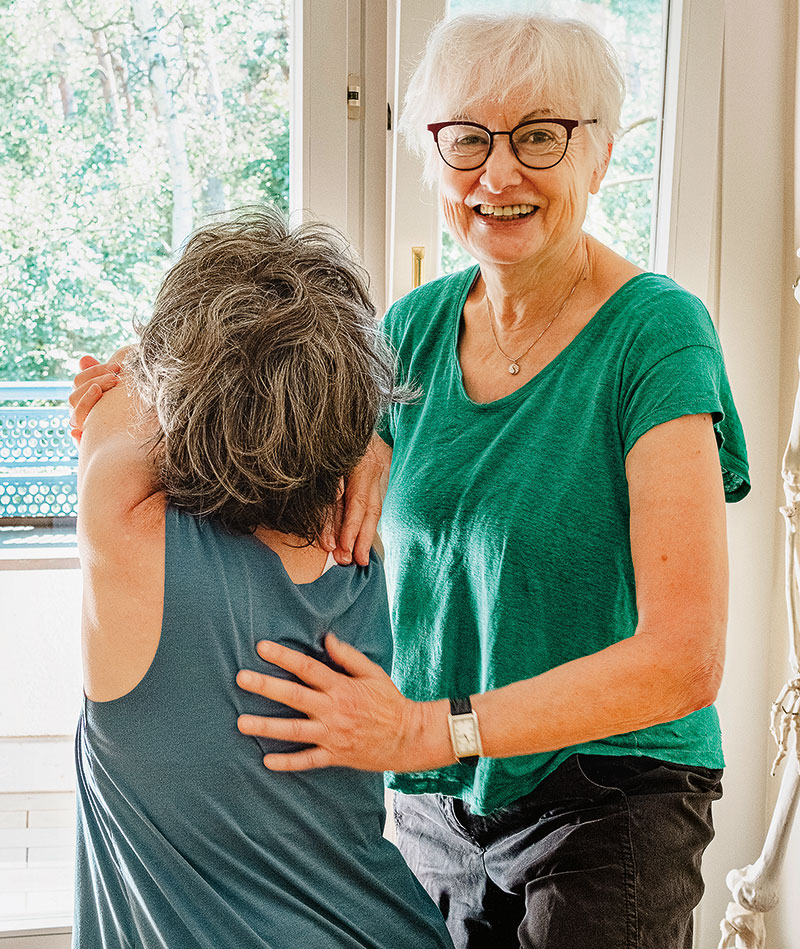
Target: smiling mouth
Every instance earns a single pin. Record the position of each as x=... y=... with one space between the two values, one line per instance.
x=507 y=212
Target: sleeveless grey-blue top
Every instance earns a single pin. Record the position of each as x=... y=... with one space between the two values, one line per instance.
x=184 y=838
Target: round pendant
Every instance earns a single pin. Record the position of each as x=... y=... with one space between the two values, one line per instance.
x=513 y=369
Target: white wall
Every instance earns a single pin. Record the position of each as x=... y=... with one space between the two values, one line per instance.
x=783 y=924
x=40 y=698
x=40 y=676
x=757 y=317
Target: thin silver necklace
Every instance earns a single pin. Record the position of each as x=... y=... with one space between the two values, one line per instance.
x=515 y=361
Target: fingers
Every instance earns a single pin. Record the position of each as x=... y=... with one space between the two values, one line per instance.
x=366 y=536
x=362 y=513
x=284 y=729
x=289 y=729
x=350 y=659
x=299 y=760
x=309 y=670
x=85 y=397
x=89 y=396
x=288 y=693
x=95 y=372
x=99 y=376
x=88 y=387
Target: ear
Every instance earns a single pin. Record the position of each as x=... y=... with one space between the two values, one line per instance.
x=600 y=170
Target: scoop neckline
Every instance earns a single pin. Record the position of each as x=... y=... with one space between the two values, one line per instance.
x=330 y=564
x=578 y=340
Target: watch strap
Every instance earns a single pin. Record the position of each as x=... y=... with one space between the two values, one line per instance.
x=458 y=707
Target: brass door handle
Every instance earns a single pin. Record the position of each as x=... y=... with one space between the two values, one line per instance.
x=417 y=266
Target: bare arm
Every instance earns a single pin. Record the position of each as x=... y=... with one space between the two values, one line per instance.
x=115 y=473
x=669 y=668
x=121 y=542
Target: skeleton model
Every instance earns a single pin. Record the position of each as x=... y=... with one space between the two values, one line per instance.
x=755 y=888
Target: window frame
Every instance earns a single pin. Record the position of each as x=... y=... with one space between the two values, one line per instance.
x=355 y=32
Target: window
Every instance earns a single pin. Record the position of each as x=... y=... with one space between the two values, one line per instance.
x=123 y=124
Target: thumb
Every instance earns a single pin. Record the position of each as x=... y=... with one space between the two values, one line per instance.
x=349 y=658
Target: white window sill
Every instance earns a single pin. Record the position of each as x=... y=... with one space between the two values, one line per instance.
x=38 y=548
x=25 y=928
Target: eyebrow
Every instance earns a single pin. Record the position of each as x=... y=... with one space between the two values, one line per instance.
x=536 y=114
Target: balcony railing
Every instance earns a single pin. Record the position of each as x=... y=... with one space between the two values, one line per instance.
x=38 y=458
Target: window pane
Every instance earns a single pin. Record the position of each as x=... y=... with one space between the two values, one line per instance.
x=122 y=125
x=621 y=214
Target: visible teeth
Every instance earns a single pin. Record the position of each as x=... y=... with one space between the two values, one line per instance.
x=508 y=210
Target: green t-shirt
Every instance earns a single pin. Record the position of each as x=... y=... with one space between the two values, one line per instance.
x=506 y=524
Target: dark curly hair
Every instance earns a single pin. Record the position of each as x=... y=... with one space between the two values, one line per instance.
x=268 y=372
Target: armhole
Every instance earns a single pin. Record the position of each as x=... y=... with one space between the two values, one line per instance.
x=115 y=646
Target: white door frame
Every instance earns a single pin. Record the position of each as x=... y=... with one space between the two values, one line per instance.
x=413 y=208
x=338 y=154
x=686 y=241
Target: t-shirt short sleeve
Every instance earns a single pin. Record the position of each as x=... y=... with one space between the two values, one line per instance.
x=688 y=381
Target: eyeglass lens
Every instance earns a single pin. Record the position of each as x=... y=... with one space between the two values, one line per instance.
x=538 y=145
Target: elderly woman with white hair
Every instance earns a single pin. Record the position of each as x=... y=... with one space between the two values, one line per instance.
x=554 y=530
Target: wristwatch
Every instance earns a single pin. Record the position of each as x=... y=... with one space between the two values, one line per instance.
x=465 y=735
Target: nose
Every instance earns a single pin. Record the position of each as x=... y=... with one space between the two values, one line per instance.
x=502 y=170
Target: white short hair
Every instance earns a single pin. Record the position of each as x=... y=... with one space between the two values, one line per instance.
x=563 y=65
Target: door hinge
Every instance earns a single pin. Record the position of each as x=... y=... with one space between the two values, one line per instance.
x=353 y=96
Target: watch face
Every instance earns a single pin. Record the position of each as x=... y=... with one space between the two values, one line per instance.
x=464 y=732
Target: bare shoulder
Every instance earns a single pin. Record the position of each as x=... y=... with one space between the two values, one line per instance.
x=121 y=523
x=123 y=582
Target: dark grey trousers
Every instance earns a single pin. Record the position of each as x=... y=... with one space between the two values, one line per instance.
x=604 y=854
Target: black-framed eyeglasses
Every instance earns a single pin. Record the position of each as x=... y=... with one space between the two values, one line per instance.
x=537 y=143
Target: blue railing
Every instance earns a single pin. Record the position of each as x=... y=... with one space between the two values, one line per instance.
x=38 y=457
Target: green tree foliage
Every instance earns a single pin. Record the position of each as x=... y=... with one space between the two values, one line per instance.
x=621 y=214
x=85 y=188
